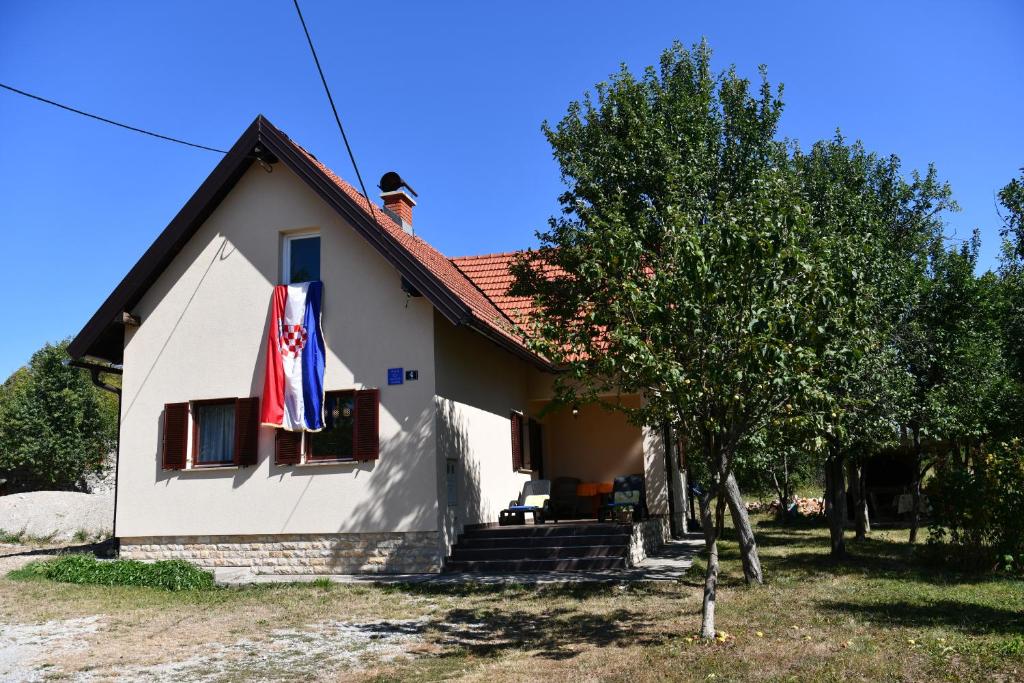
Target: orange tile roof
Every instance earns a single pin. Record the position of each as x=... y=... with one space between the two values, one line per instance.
x=490 y=273
x=489 y=305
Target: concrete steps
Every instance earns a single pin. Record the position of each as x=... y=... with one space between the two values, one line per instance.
x=541 y=548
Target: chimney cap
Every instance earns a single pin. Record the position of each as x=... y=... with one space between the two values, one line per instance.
x=392 y=182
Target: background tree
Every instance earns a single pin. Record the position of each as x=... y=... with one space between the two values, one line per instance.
x=1011 y=278
x=874 y=224
x=54 y=425
x=682 y=266
x=977 y=492
x=951 y=347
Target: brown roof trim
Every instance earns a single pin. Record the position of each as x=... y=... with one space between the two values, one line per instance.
x=103 y=335
x=450 y=305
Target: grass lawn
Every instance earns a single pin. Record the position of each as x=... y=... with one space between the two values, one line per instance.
x=878 y=616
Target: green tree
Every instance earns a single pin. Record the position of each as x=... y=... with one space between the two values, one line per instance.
x=1011 y=197
x=1011 y=277
x=683 y=266
x=54 y=425
x=950 y=344
x=875 y=226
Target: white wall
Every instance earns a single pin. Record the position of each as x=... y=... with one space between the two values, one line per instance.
x=203 y=332
x=478 y=385
x=655 y=476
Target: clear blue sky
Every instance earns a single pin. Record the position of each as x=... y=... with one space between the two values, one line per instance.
x=452 y=96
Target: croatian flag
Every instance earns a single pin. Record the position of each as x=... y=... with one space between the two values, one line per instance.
x=293 y=388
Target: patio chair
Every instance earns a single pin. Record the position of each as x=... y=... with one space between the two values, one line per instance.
x=564 y=503
x=533 y=499
x=627 y=493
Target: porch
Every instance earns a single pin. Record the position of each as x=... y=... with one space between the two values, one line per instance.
x=583 y=449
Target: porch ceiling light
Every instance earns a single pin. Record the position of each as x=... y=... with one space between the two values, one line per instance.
x=575 y=411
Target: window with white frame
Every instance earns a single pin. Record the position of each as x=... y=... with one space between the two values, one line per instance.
x=301 y=258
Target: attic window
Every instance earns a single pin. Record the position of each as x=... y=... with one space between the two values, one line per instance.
x=301 y=258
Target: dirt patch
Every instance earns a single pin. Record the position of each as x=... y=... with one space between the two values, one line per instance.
x=318 y=651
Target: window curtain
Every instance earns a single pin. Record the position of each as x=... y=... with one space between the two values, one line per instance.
x=217 y=433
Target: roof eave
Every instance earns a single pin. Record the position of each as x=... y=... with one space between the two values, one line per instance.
x=102 y=335
x=95 y=338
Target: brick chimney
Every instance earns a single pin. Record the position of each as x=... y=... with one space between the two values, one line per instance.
x=400 y=205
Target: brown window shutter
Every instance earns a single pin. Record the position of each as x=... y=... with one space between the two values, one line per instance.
x=175 y=447
x=366 y=439
x=288 y=447
x=517 y=441
x=247 y=431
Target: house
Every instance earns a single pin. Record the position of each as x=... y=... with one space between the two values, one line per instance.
x=436 y=406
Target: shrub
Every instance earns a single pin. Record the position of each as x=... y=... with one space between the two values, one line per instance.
x=978 y=506
x=55 y=427
x=172 y=575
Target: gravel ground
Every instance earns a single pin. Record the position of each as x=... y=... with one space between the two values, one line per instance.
x=57 y=515
x=37 y=652
x=22 y=645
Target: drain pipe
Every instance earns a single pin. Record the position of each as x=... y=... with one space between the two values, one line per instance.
x=94 y=372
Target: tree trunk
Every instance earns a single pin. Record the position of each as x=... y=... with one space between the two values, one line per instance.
x=859 y=497
x=707 y=625
x=782 y=489
x=915 y=511
x=836 y=501
x=741 y=520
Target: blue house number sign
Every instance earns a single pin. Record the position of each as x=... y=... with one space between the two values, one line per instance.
x=395 y=376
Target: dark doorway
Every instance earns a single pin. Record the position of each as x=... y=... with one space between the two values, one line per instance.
x=536 y=447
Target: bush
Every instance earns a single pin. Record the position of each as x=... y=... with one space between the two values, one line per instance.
x=978 y=507
x=172 y=575
x=55 y=426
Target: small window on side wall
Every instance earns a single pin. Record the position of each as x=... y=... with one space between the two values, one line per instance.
x=336 y=441
x=351 y=432
x=301 y=258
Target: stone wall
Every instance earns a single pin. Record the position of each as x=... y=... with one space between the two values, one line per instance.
x=647 y=536
x=367 y=553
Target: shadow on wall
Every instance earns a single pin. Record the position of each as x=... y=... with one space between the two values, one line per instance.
x=655 y=476
x=454 y=447
x=400 y=495
x=176 y=271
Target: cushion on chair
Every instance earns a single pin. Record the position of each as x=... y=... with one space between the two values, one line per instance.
x=535 y=500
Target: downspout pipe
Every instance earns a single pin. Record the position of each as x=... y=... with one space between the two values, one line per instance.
x=94 y=372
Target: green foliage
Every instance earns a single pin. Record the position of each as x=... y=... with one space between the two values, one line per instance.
x=978 y=505
x=684 y=266
x=172 y=575
x=951 y=345
x=1012 y=199
x=55 y=426
x=1011 y=283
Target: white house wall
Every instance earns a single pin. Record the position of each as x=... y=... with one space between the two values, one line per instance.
x=478 y=385
x=203 y=336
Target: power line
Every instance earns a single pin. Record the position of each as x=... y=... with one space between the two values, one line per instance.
x=330 y=99
x=113 y=123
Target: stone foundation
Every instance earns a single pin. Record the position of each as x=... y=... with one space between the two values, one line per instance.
x=646 y=537
x=369 y=553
